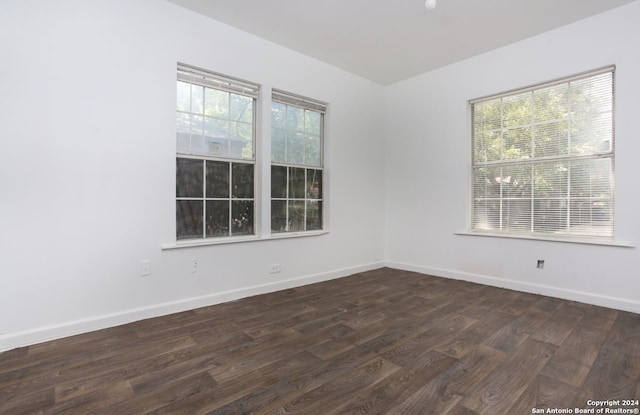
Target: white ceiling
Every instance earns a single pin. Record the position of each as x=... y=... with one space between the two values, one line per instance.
x=387 y=41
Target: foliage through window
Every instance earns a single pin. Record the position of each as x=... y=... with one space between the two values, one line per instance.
x=215 y=130
x=543 y=159
x=297 y=126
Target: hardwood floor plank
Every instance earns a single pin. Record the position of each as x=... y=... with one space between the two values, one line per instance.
x=27 y=403
x=379 y=342
x=394 y=390
x=509 y=380
x=571 y=362
x=341 y=389
x=469 y=372
x=543 y=393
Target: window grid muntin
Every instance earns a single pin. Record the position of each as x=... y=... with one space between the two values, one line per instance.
x=306 y=199
x=233 y=87
x=308 y=106
x=569 y=157
x=228 y=139
x=230 y=199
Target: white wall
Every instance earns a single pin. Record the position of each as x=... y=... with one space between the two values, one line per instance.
x=87 y=166
x=428 y=165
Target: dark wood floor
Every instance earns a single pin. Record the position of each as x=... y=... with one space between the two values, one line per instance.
x=380 y=342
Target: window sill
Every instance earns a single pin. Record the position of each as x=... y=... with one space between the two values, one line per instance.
x=562 y=239
x=239 y=239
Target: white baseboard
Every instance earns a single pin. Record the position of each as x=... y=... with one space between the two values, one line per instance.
x=572 y=295
x=29 y=337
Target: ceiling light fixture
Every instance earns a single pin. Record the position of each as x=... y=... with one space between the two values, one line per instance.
x=430 y=4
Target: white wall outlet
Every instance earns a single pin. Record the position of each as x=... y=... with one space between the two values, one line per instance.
x=194 y=265
x=274 y=268
x=145 y=268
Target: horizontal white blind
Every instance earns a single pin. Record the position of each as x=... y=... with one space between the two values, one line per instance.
x=543 y=158
x=203 y=77
x=298 y=100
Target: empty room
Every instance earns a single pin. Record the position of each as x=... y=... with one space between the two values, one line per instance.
x=335 y=207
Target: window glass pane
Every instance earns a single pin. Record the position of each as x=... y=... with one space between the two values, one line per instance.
x=487 y=146
x=188 y=219
x=591 y=105
x=217 y=218
x=278 y=182
x=552 y=139
x=312 y=122
x=591 y=134
x=295 y=148
x=487 y=116
x=197 y=130
x=516 y=215
x=312 y=150
x=197 y=99
x=314 y=215
x=296 y=183
x=242 y=179
x=516 y=110
x=592 y=179
x=189 y=177
x=242 y=217
x=551 y=180
x=517 y=143
x=183 y=133
x=550 y=215
x=515 y=184
x=278 y=115
x=241 y=135
x=296 y=216
x=589 y=217
x=295 y=118
x=486 y=182
x=278 y=146
x=241 y=108
x=217 y=179
x=216 y=103
x=216 y=128
x=278 y=216
x=183 y=101
x=314 y=184
x=486 y=215
x=551 y=104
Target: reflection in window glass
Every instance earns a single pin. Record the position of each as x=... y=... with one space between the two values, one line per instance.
x=215 y=154
x=217 y=218
x=296 y=172
x=188 y=219
x=543 y=159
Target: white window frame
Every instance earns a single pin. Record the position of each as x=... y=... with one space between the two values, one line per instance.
x=260 y=160
x=306 y=104
x=203 y=78
x=568 y=234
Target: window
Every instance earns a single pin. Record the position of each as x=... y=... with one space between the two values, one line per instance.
x=215 y=160
x=297 y=126
x=543 y=159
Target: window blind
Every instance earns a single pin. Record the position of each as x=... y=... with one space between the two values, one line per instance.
x=543 y=158
x=298 y=101
x=203 y=77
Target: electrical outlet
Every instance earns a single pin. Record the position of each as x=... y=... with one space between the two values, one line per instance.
x=540 y=264
x=194 y=265
x=274 y=268
x=145 y=268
